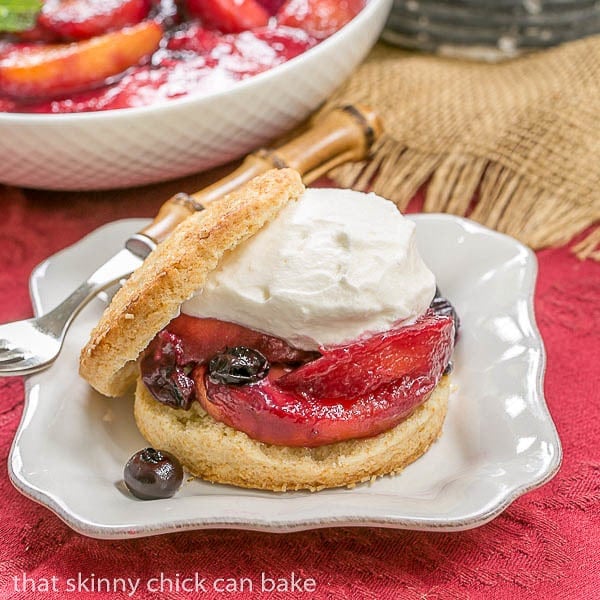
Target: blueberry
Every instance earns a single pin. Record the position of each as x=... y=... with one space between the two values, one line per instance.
x=238 y=366
x=442 y=306
x=165 y=373
x=152 y=474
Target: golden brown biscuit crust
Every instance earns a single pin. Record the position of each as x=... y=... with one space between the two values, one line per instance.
x=216 y=452
x=179 y=266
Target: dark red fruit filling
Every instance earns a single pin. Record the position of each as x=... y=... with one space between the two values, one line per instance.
x=165 y=372
x=188 y=342
x=307 y=399
x=356 y=391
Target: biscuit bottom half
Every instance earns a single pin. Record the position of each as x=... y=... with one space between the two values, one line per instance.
x=218 y=453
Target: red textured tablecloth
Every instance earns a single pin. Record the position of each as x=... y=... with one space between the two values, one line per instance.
x=546 y=545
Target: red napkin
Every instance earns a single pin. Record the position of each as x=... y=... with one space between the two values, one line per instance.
x=545 y=545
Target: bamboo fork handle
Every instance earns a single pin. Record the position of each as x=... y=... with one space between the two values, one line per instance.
x=342 y=135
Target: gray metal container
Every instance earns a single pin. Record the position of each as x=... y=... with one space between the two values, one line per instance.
x=490 y=29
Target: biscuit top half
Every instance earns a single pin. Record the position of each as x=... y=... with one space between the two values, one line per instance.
x=179 y=266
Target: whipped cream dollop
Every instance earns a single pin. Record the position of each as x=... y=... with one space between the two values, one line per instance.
x=333 y=267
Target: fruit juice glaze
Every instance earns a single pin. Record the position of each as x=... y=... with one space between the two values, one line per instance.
x=292 y=397
x=193 y=56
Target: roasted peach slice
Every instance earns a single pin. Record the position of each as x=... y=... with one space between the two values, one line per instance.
x=33 y=72
x=319 y=18
x=203 y=338
x=304 y=399
x=229 y=16
x=350 y=392
x=358 y=369
x=82 y=19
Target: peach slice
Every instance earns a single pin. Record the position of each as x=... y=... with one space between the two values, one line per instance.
x=203 y=338
x=32 y=71
x=82 y=19
x=229 y=16
x=319 y=18
x=350 y=392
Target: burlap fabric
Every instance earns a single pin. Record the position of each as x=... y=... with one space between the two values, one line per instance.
x=515 y=145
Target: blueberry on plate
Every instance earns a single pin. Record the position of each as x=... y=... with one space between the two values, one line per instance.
x=153 y=474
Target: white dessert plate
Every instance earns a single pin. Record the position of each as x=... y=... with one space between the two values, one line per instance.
x=498 y=442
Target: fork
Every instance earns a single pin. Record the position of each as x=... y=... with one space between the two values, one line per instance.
x=47 y=332
x=344 y=134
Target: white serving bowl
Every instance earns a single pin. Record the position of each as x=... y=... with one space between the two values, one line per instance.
x=136 y=146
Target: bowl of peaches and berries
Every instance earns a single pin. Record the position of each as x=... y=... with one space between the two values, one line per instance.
x=105 y=94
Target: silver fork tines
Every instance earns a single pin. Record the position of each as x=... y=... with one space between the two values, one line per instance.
x=25 y=346
x=9 y=356
x=31 y=345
